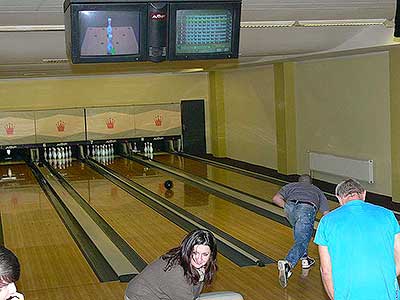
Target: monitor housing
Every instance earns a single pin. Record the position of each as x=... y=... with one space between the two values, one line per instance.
x=134 y=30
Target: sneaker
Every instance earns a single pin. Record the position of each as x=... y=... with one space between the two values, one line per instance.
x=307 y=262
x=284 y=272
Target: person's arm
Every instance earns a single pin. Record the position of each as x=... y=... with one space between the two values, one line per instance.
x=278 y=200
x=323 y=204
x=326 y=270
x=397 y=253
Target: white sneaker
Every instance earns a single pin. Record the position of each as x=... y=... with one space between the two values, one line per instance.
x=284 y=272
x=307 y=262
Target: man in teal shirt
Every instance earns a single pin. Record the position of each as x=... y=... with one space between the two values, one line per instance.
x=359 y=248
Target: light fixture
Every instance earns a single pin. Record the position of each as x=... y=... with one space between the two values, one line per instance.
x=266 y=24
x=318 y=23
x=350 y=22
x=31 y=28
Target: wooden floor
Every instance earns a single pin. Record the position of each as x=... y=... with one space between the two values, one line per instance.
x=54 y=268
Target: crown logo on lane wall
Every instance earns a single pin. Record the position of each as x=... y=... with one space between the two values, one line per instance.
x=60 y=126
x=110 y=123
x=9 y=128
x=158 y=120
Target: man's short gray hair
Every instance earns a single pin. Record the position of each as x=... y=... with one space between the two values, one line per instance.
x=348 y=187
x=305 y=178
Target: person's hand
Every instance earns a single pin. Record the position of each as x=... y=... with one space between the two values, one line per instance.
x=16 y=296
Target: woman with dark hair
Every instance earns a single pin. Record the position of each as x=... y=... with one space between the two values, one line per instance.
x=9 y=274
x=180 y=273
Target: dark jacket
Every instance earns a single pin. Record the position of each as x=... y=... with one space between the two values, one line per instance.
x=155 y=283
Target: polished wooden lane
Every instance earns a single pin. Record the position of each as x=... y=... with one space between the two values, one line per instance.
x=49 y=257
x=136 y=223
x=267 y=236
x=250 y=185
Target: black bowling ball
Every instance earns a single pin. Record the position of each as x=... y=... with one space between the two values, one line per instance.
x=168 y=184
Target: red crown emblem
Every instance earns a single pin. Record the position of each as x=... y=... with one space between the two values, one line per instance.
x=110 y=123
x=60 y=126
x=158 y=120
x=9 y=128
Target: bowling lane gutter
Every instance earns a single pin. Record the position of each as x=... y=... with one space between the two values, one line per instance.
x=235 y=250
x=133 y=257
x=96 y=260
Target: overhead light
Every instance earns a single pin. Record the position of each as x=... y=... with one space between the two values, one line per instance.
x=266 y=24
x=317 y=23
x=31 y=28
x=350 y=22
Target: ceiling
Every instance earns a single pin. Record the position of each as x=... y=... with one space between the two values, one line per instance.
x=28 y=50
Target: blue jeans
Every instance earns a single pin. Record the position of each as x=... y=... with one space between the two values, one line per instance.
x=301 y=216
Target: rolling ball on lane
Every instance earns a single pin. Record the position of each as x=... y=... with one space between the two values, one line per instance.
x=168 y=184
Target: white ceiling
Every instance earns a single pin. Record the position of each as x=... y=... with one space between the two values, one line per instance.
x=20 y=48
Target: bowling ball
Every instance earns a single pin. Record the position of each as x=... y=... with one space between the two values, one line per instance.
x=168 y=184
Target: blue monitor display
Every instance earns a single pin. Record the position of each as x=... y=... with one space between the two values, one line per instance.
x=206 y=30
x=109 y=32
x=203 y=31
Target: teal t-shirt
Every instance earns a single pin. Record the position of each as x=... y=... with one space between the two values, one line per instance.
x=360 y=240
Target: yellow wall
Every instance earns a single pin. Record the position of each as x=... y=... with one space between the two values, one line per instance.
x=394 y=58
x=250 y=115
x=343 y=109
x=101 y=91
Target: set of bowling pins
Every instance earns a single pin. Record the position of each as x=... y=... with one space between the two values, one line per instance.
x=58 y=157
x=58 y=153
x=148 y=150
x=102 y=150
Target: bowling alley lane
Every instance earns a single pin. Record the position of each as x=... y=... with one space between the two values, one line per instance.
x=250 y=185
x=49 y=257
x=263 y=234
x=149 y=233
x=269 y=237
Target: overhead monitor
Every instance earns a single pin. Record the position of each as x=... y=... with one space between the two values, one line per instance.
x=111 y=32
x=206 y=30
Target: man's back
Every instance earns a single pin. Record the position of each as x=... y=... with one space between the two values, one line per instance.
x=360 y=239
x=303 y=191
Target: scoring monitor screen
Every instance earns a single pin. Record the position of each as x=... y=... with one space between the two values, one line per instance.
x=108 y=33
x=203 y=31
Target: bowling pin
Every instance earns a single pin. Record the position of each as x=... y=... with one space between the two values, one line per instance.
x=134 y=148
x=8 y=152
x=9 y=173
x=45 y=154
x=151 y=148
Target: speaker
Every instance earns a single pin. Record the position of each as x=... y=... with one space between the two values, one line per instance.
x=157 y=31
